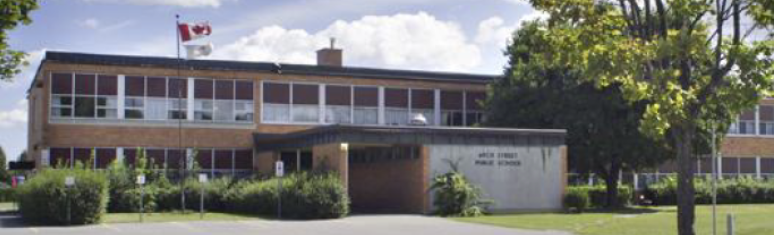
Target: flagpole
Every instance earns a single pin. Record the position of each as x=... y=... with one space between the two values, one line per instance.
x=182 y=162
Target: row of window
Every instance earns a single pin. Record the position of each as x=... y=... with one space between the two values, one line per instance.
x=303 y=102
x=737 y=165
x=158 y=158
x=747 y=122
x=150 y=98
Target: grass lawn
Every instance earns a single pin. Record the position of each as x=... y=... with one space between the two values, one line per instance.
x=7 y=206
x=172 y=216
x=750 y=219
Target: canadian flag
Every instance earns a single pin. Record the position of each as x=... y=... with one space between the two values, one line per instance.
x=190 y=32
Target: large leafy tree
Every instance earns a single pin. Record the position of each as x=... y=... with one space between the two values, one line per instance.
x=12 y=13
x=3 y=167
x=603 y=136
x=693 y=60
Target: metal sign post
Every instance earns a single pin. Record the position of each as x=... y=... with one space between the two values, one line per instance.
x=69 y=182
x=202 y=181
x=279 y=170
x=141 y=182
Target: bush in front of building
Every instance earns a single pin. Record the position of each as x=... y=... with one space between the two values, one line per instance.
x=598 y=195
x=454 y=195
x=43 y=199
x=729 y=191
x=304 y=196
x=576 y=199
x=7 y=194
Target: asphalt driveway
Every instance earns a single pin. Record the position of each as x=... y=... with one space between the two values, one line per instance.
x=355 y=225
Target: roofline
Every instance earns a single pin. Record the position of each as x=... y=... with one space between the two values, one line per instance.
x=279 y=68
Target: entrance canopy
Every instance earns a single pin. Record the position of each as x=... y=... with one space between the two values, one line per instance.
x=406 y=135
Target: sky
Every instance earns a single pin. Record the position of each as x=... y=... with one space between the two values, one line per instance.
x=440 y=35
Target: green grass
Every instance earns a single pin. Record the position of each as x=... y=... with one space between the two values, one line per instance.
x=7 y=206
x=750 y=219
x=172 y=217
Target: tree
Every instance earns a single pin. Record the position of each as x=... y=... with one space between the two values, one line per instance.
x=23 y=156
x=3 y=167
x=603 y=136
x=12 y=13
x=693 y=60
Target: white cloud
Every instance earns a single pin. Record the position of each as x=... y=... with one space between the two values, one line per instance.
x=14 y=117
x=406 y=41
x=91 y=23
x=494 y=30
x=181 y=3
x=518 y=2
x=27 y=72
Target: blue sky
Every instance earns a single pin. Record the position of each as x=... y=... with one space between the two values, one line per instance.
x=443 y=35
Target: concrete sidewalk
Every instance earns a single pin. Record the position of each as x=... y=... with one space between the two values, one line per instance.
x=353 y=225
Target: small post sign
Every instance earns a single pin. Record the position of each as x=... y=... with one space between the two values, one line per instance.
x=203 y=180
x=279 y=169
x=141 y=179
x=69 y=181
x=141 y=182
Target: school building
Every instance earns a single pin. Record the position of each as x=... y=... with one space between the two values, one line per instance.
x=386 y=132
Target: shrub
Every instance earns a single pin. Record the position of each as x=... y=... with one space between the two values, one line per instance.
x=7 y=194
x=729 y=191
x=43 y=199
x=598 y=195
x=455 y=196
x=576 y=198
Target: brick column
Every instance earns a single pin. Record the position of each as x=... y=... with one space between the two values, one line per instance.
x=563 y=170
x=333 y=157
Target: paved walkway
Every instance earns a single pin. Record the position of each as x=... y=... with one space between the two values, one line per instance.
x=355 y=225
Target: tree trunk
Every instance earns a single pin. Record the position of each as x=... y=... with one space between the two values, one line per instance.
x=612 y=185
x=685 y=200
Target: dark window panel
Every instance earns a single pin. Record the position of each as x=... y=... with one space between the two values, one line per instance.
x=366 y=96
x=85 y=84
x=130 y=154
x=244 y=90
x=204 y=157
x=107 y=85
x=157 y=87
x=224 y=89
x=668 y=167
x=84 y=107
x=135 y=86
x=105 y=156
x=59 y=157
x=62 y=83
x=729 y=165
x=243 y=159
x=306 y=161
x=155 y=158
x=748 y=165
x=174 y=158
x=223 y=159
x=177 y=88
x=765 y=113
x=396 y=98
x=766 y=165
x=473 y=100
x=452 y=100
x=83 y=156
x=338 y=95
x=748 y=115
x=289 y=161
x=422 y=99
x=277 y=93
x=305 y=94
x=203 y=89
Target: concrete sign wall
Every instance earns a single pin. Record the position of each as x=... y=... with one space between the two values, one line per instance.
x=518 y=177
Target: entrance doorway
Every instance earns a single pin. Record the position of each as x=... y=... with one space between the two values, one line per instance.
x=296 y=161
x=385 y=179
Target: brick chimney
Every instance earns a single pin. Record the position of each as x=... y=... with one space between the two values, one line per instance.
x=330 y=56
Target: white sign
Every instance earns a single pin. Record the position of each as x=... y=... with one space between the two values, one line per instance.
x=141 y=179
x=279 y=169
x=45 y=159
x=202 y=178
x=69 y=181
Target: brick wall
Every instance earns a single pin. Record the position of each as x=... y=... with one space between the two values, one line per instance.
x=753 y=146
x=390 y=186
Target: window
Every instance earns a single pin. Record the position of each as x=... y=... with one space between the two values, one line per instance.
x=423 y=102
x=765 y=119
x=365 y=105
x=276 y=98
x=177 y=96
x=204 y=158
x=474 y=113
x=156 y=99
x=305 y=103
x=243 y=104
x=451 y=108
x=338 y=99
x=107 y=99
x=396 y=106
x=203 y=99
x=61 y=95
x=134 y=100
x=84 y=104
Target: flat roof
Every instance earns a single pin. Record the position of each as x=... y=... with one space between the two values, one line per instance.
x=402 y=135
x=280 y=68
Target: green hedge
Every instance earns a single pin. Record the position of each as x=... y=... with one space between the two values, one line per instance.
x=729 y=191
x=576 y=199
x=597 y=194
x=43 y=199
x=7 y=194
